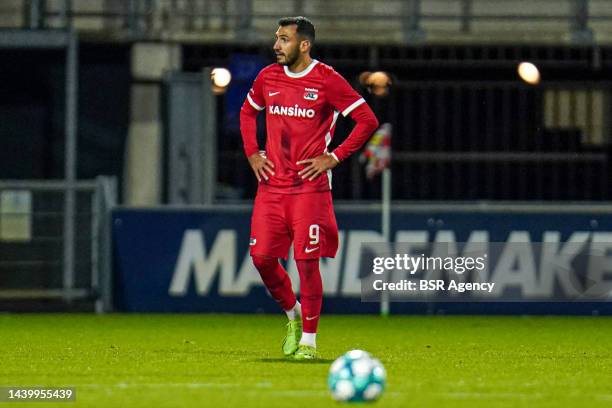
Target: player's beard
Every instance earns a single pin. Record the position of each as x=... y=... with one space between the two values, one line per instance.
x=291 y=57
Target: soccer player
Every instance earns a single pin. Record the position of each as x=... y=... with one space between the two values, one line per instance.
x=302 y=98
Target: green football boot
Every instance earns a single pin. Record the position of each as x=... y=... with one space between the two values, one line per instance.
x=294 y=334
x=305 y=352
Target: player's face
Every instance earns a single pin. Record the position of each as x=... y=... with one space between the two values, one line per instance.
x=287 y=45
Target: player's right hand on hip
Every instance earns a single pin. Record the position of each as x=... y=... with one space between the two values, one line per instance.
x=261 y=166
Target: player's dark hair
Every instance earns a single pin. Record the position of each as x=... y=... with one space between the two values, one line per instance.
x=305 y=28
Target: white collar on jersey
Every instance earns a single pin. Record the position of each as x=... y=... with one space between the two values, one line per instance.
x=301 y=73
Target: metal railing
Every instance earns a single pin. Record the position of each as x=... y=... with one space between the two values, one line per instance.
x=33 y=261
x=414 y=19
x=500 y=141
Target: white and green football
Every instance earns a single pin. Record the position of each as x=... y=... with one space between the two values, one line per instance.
x=356 y=377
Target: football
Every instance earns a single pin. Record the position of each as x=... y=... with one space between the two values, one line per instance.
x=356 y=376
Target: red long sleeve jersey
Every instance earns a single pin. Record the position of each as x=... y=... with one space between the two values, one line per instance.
x=301 y=113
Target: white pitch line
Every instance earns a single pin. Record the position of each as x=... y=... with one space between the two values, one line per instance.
x=159 y=385
x=263 y=387
x=491 y=395
x=259 y=388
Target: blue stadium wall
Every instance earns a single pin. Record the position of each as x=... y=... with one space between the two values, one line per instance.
x=188 y=260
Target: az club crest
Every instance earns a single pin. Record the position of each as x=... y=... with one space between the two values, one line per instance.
x=311 y=96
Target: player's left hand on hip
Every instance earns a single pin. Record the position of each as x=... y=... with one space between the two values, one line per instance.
x=314 y=167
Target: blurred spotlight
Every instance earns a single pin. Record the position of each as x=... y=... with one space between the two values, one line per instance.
x=529 y=73
x=378 y=82
x=363 y=77
x=221 y=77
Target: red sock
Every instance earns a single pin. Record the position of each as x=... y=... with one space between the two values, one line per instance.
x=311 y=293
x=276 y=279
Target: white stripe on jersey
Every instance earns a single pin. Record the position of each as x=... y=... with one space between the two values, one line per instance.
x=353 y=106
x=327 y=142
x=253 y=104
x=328 y=135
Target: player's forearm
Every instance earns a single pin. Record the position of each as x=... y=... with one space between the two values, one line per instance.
x=366 y=125
x=248 y=129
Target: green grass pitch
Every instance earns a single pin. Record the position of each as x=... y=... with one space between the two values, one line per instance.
x=124 y=361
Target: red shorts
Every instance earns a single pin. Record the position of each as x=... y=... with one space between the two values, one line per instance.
x=307 y=219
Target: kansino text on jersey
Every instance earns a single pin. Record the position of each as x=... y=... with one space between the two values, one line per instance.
x=295 y=111
x=432 y=285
